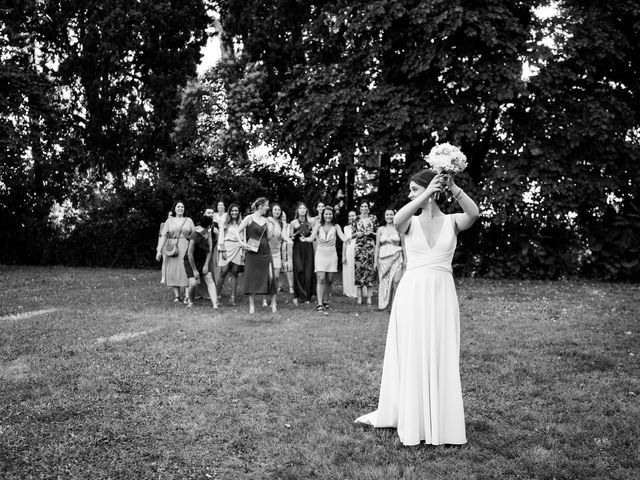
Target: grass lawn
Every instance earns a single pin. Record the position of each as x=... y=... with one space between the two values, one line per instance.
x=102 y=376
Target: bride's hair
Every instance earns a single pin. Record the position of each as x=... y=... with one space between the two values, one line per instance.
x=423 y=177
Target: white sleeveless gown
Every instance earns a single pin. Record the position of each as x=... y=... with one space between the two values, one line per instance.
x=420 y=393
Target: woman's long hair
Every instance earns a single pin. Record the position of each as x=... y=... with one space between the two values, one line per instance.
x=306 y=217
x=329 y=209
x=280 y=219
x=228 y=220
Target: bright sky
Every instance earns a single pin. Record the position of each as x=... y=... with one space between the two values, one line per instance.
x=210 y=54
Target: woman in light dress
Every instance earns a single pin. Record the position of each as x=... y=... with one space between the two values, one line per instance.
x=176 y=230
x=197 y=261
x=286 y=253
x=220 y=214
x=278 y=236
x=326 y=256
x=230 y=253
x=389 y=259
x=420 y=392
x=348 y=258
x=159 y=249
x=365 y=273
x=258 y=268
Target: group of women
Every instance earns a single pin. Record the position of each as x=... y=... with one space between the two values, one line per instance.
x=197 y=258
x=420 y=392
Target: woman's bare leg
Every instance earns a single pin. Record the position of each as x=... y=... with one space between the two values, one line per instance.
x=211 y=288
x=252 y=303
x=320 y=277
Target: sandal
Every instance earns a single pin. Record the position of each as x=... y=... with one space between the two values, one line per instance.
x=326 y=306
x=319 y=308
x=177 y=300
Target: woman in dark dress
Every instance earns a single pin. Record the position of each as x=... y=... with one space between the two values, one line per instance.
x=197 y=261
x=304 y=277
x=258 y=264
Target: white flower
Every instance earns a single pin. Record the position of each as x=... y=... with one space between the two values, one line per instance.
x=446 y=158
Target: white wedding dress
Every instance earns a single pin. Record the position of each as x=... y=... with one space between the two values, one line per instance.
x=420 y=393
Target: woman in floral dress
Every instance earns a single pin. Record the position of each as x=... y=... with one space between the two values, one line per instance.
x=365 y=273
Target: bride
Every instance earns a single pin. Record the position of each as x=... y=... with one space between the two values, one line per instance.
x=420 y=393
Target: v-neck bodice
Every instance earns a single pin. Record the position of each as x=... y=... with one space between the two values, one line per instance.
x=440 y=255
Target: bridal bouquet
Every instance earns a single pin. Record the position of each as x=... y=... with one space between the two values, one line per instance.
x=446 y=158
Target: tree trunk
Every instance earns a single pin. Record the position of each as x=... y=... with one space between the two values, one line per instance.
x=228 y=58
x=384 y=183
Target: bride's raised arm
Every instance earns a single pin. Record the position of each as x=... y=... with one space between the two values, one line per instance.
x=471 y=210
x=402 y=218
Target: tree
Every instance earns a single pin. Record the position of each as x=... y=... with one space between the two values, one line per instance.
x=576 y=134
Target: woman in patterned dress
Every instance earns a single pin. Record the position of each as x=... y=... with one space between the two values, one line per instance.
x=389 y=259
x=366 y=227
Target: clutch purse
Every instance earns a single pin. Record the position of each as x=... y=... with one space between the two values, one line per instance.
x=253 y=244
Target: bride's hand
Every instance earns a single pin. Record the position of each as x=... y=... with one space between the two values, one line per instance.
x=436 y=185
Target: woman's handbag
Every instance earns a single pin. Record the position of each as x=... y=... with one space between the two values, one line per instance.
x=173 y=249
x=252 y=244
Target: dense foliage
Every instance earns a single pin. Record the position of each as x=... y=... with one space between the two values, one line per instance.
x=553 y=156
x=105 y=113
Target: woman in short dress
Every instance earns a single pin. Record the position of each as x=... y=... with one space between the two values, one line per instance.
x=197 y=261
x=176 y=230
x=326 y=257
x=287 y=254
x=230 y=253
x=304 y=278
x=258 y=267
x=348 y=258
x=389 y=259
x=366 y=227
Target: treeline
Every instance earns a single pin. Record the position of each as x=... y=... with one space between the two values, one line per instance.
x=106 y=122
